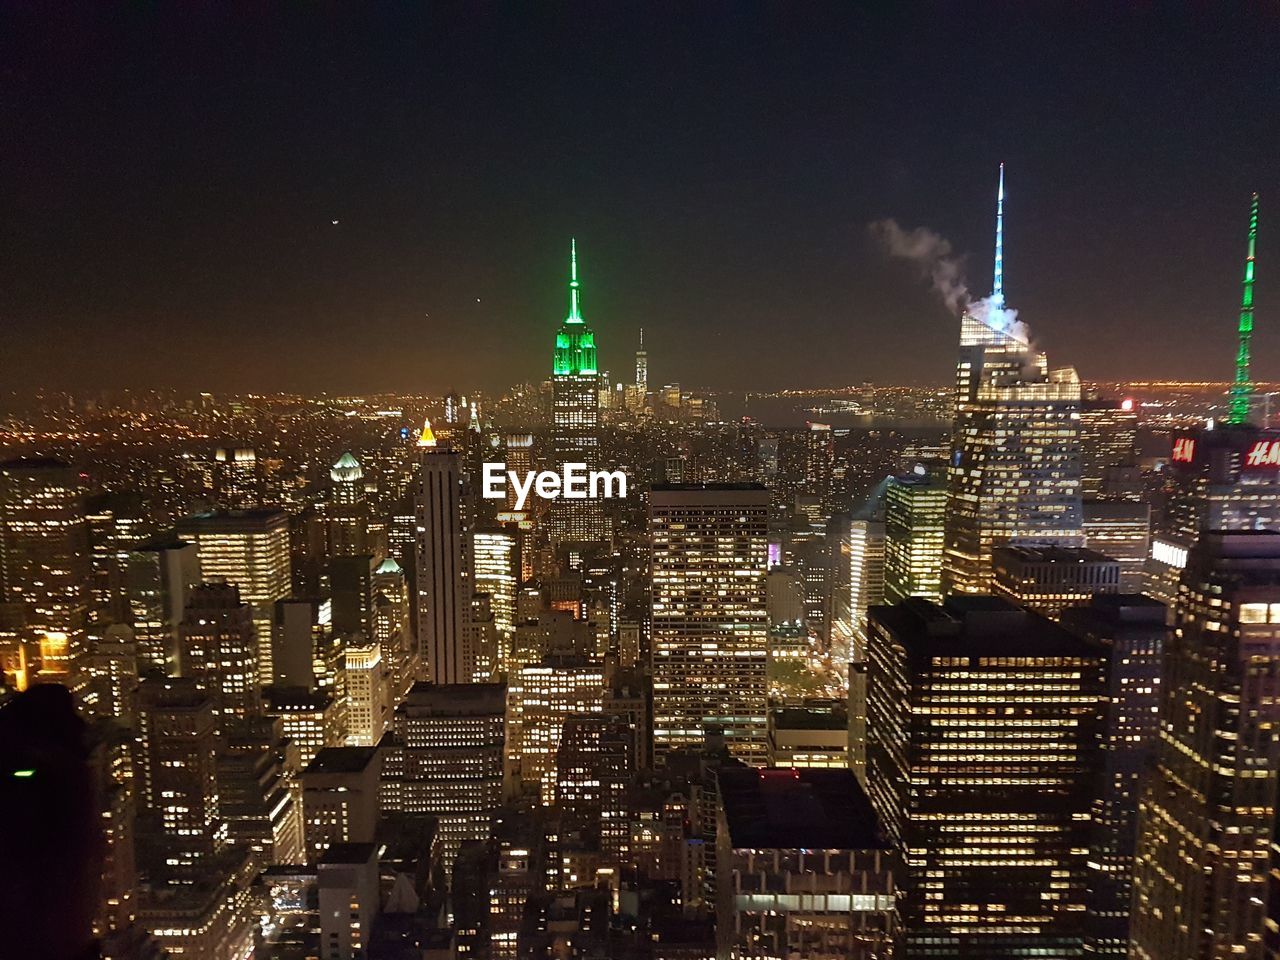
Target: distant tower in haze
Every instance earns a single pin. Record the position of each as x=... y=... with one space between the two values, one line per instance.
x=642 y=366
x=440 y=634
x=348 y=509
x=1015 y=461
x=1242 y=389
x=575 y=419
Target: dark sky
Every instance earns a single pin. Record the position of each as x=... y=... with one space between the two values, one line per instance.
x=170 y=172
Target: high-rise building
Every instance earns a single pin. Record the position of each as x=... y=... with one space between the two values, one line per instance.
x=1225 y=478
x=249 y=548
x=1050 y=579
x=1207 y=818
x=595 y=762
x=915 y=506
x=367 y=706
x=256 y=795
x=802 y=868
x=441 y=638
x=819 y=461
x=982 y=765
x=348 y=509
x=550 y=692
x=1109 y=449
x=340 y=798
x=313 y=719
x=1120 y=529
x=1015 y=464
x=347 y=880
x=302 y=640
x=446 y=759
x=179 y=728
x=495 y=561
x=575 y=420
x=710 y=624
x=159 y=575
x=642 y=367
x=44 y=565
x=1132 y=629
x=218 y=648
x=236 y=483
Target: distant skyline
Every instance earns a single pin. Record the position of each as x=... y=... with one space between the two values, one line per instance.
x=173 y=177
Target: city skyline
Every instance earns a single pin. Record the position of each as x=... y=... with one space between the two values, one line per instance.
x=137 y=235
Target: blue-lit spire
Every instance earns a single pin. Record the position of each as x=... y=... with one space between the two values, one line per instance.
x=997 y=285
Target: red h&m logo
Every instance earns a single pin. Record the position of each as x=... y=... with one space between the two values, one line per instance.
x=1184 y=449
x=1264 y=453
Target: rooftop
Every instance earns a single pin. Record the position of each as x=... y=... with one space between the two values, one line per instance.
x=798 y=809
x=342 y=760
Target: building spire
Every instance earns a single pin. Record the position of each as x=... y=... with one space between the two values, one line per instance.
x=997 y=284
x=1242 y=388
x=575 y=310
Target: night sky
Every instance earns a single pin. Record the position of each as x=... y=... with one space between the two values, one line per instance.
x=170 y=176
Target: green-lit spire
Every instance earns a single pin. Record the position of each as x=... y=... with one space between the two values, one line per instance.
x=575 y=310
x=1242 y=389
x=575 y=343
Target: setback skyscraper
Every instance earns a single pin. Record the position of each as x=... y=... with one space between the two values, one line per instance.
x=575 y=420
x=1207 y=821
x=442 y=644
x=1015 y=462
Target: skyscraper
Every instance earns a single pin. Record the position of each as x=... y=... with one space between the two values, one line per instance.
x=915 y=507
x=1133 y=631
x=348 y=509
x=441 y=638
x=710 y=624
x=44 y=564
x=1207 y=819
x=218 y=649
x=179 y=727
x=249 y=548
x=1015 y=463
x=1242 y=388
x=1109 y=449
x=446 y=759
x=575 y=420
x=982 y=765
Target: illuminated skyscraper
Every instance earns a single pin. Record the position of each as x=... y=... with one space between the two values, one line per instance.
x=1226 y=478
x=44 y=564
x=495 y=559
x=235 y=478
x=595 y=762
x=642 y=367
x=710 y=622
x=441 y=638
x=348 y=509
x=249 y=548
x=1050 y=579
x=550 y=692
x=1109 y=450
x=446 y=759
x=575 y=420
x=218 y=649
x=982 y=765
x=1242 y=389
x=1207 y=819
x=1133 y=631
x=159 y=575
x=1015 y=464
x=367 y=713
x=819 y=461
x=915 y=510
x=179 y=727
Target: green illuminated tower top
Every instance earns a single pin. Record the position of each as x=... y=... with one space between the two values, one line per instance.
x=576 y=342
x=1242 y=389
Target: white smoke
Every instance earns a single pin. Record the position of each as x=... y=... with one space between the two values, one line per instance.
x=944 y=269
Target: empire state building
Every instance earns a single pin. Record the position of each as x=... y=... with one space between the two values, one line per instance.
x=575 y=420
